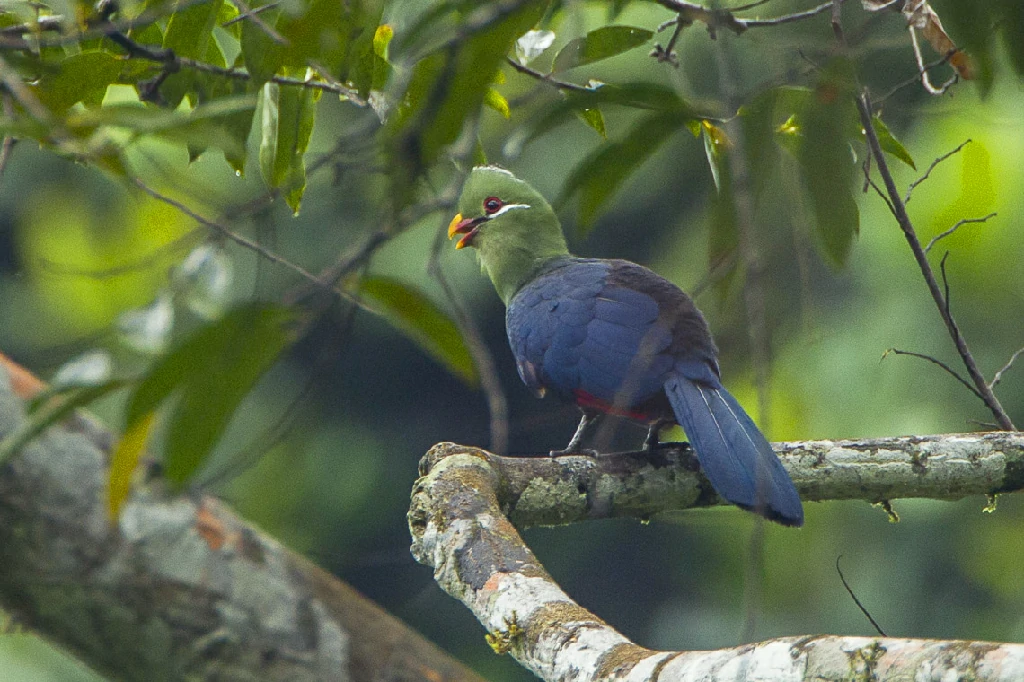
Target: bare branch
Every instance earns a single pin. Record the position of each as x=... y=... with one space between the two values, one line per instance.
x=714 y=19
x=546 y=77
x=941 y=301
x=249 y=244
x=999 y=375
x=913 y=185
x=940 y=363
x=955 y=227
x=922 y=70
x=916 y=77
x=667 y=53
x=252 y=12
x=23 y=94
x=252 y=15
x=849 y=590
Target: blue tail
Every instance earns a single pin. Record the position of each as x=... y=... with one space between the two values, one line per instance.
x=733 y=453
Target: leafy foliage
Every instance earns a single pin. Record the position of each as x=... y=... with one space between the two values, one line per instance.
x=210 y=373
x=401 y=89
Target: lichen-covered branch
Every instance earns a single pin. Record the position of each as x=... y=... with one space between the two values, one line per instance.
x=547 y=491
x=460 y=527
x=180 y=588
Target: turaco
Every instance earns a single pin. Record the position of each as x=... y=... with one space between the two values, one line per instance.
x=615 y=338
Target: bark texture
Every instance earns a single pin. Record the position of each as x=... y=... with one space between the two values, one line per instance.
x=180 y=588
x=459 y=520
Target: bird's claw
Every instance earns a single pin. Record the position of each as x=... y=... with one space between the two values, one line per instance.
x=584 y=452
x=667 y=445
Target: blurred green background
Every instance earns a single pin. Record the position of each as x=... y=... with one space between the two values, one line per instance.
x=76 y=250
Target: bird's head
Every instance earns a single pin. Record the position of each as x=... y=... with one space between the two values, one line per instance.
x=509 y=223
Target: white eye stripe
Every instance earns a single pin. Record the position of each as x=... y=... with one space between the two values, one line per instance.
x=508 y=207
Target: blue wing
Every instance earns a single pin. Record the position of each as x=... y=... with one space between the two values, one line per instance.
x=576 y=328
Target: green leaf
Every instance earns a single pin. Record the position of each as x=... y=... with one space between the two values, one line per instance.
x=212 y=371
x=124 y=459
x=208 y=125
x=287 y=117
x=190 y=30
x=263 y=57
x=643 y=96
x=419 y=318
x=495 y=100
x=190 y=34
x=81 y=77
x=1011 y=24
x=723 y=238
x=890 y=144
x=597 y=177
x=446 y=87
x=479 y=155
x=51 y=412
x=603 y=43
x=715 y=143
x=593 y=117
x=827 y=161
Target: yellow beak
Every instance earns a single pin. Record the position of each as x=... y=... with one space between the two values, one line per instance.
x=453 y=225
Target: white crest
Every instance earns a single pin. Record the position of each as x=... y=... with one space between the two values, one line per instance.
x=506 y=208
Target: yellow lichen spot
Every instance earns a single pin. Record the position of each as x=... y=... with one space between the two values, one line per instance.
x=886 y=506
x=503 y=641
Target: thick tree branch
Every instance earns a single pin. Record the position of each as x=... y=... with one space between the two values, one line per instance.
x=460 y=528
x=537 y=491
x=179 y=588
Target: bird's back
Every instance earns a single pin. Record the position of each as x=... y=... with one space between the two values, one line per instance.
x=607 y=333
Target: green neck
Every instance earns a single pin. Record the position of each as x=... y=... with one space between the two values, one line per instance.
x=513 y=258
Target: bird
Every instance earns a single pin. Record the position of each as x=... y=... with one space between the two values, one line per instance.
x=614 y=338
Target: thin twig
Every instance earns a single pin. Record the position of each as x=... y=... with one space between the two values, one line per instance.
x=849 y=590
x=936 y=162
x=547 y=77
x=490 y=383
x=172 y=247
x=251 y=13
x=247 y=243
x=999 y=375
x=790 y=18
x=172 y=62
x=245 y=11
x=915 y=78
x=837 y=23
x=8 y=144
x=23 y=94
x=926 y=80
x=96 y=30
x=936 y=361
x=721 y=18
x=955 y=228
x=977 y=379
x=667 y=53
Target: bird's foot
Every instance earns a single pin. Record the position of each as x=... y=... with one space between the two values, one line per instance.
x=584 y=452
x=667 y=445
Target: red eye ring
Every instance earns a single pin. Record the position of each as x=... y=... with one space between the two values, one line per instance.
x=492 y=205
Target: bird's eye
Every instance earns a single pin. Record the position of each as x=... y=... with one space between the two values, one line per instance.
x=492 y=205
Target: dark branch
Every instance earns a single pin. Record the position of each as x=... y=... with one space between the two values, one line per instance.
x=940 y=363
x=546 y=77
x=936 y=162
x=999 y=375
x=955 y=228
x=900 y=209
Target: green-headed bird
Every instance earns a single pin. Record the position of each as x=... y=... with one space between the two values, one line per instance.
x=615 y=338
